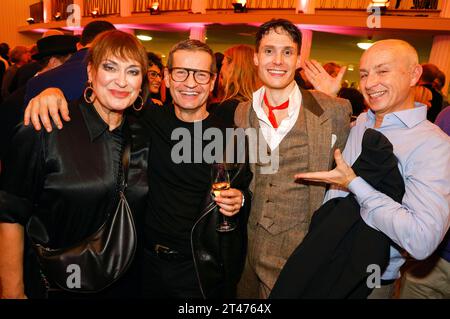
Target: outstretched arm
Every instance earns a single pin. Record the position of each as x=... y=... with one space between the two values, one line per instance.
x=341 y=175
x=49 y=102
x=419 y=223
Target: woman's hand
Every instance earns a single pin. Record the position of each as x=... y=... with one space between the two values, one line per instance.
x=50 y=101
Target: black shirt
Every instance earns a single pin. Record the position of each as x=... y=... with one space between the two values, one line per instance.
x=71 y=175
x=176 y=190
x=225 y=110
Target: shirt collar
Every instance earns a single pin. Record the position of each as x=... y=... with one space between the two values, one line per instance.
x=95 y=124
x=408 y=118
x=295 y=99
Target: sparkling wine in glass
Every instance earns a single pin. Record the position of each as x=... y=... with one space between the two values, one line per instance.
x=221 y=182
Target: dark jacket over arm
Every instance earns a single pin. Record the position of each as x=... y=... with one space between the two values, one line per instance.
x=333 y=259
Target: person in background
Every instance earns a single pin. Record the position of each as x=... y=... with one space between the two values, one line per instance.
x=70 y=177
x=356 y=99
x=4 y=53
x=332 y=68
x=53 y=51
x=20 y=56
x=238 y=79
x=70 y=77
x=301 y=79
x=30 y=69
x=154 y=77
x=429 y=74
x=184 y=255
x=214 y=98
x=327 y=78
x=430 y=278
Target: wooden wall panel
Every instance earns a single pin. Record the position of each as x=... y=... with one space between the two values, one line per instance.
x=60 y=6
x=15 y=14
x=106 y=7
x=164 y=5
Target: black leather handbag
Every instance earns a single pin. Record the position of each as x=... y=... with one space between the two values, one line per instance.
x=100 y=259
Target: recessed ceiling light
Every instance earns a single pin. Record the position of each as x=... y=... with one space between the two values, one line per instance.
x=143 y=37
x=163 y=55
x=364 y=45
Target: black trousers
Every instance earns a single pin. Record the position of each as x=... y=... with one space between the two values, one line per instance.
x=169 y=278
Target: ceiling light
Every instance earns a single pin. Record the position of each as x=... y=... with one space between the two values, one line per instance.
x=95 y=13
x=364 y=45
x=240 y=6
x=350 y=67
x=143 y=37
x=30 y=20
x=380 y=3
x=154 y=8
x=57 y=16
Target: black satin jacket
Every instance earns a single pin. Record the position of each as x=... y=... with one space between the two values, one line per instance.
x=68 y=179
x=70 y=176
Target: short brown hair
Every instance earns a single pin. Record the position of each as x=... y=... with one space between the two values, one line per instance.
x=279 y=25
x=119 y=44
x=192 y=45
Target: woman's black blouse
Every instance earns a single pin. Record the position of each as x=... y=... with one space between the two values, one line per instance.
x=70 y=176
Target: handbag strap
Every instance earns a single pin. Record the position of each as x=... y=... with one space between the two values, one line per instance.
x=125 y=166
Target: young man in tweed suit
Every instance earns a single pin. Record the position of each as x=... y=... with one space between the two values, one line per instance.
x=303 y=128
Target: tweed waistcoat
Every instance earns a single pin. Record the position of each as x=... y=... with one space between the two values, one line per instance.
x=279 y=203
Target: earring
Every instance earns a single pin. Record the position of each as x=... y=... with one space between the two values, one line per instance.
x=86 y=94
x=140 y=106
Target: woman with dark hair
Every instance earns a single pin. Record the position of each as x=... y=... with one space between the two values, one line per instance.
x=71 y=179
x=154 y=77
x=356 y=99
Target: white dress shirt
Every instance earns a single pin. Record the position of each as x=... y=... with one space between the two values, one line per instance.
x=419 y=223
x=274 y=136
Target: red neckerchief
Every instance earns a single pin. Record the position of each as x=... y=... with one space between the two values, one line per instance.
x=272 y=118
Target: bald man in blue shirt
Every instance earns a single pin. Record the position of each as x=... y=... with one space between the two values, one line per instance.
x=389 y=70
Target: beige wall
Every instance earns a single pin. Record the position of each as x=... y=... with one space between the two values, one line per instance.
x=14 y=14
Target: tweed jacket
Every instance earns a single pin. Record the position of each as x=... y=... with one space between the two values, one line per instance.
x=328 y=126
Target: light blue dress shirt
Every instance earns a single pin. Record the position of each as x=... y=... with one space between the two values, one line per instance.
x=420 y=222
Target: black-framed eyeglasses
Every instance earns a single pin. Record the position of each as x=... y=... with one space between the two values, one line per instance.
x=153 y=75
x=181 y=75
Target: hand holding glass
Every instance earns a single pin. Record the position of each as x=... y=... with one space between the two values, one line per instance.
x=220 y=182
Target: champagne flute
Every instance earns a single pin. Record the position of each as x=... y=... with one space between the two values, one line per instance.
x=220 y=182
